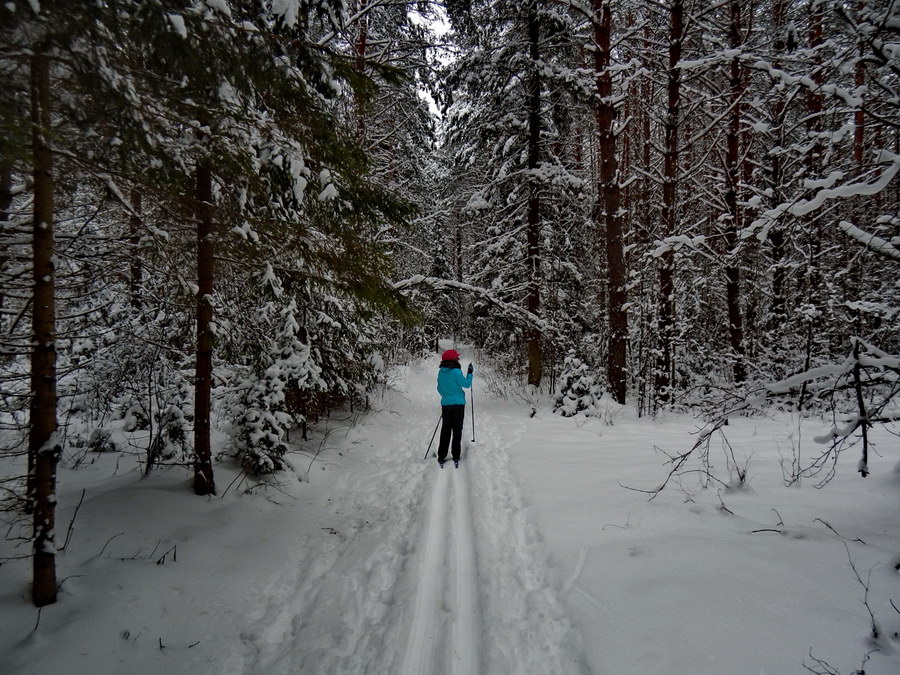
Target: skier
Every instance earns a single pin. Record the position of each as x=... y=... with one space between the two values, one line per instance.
x=450 y=385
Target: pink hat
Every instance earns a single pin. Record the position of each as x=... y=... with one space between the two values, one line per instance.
x=450 y=355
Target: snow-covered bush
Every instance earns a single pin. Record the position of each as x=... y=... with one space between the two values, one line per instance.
x=171 y=438
x=268 y=405
x=100 y=441
x=258 y=429
x=578 y=392
x=135 y=418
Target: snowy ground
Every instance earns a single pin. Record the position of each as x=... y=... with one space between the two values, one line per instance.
x=531 y=558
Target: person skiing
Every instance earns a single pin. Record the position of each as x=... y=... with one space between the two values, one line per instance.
x=450 y=385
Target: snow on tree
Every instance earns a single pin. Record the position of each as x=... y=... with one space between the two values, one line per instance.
x=507 y=132
x=578 y=391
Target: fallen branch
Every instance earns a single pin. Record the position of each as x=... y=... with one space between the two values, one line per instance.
x=72 y=522
x=173 y=551
x=107 y=543
x=865 y=585
x=836 y=532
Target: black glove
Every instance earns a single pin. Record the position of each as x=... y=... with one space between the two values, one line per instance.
x=471 y=369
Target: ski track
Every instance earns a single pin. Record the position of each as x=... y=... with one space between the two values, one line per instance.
x=443 y=574
x=467 y=625
x=427 y=626
x=525 y=625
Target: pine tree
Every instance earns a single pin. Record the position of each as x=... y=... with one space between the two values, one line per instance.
x=503 y=132
x=577 y=391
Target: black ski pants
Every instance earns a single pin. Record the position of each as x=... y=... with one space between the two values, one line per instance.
x=452 y=417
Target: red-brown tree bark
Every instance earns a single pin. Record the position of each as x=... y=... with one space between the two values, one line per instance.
x=666 y=319
x=533 y=234
x=732 y=181
x=43 y=445
x=608 y=213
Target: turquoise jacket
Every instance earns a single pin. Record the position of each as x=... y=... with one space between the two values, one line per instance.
x=450 y=385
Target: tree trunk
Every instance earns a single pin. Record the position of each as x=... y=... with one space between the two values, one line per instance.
x=203 y=472
x=814 y=99
x=608 y=211
x=5 y=206
x=361 y=47
x=533 y=299
x=670 y=190
x=43 y=444
x=646 y=89
x=814 y=105
x=776 y=234
x=134 y=239
x=732 y=178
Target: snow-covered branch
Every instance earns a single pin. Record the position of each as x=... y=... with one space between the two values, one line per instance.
x=803 y=207
x=519 y=314
x=870 y=241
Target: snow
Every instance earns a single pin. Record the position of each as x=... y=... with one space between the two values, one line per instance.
x=869 y=240
x=476 y=202
x=329 y=193
x=178 y=24
x=219 y=5
x=287 y=10
x=531 y=558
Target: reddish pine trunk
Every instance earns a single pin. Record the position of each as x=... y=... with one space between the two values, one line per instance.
x=533 y=300
x=203 y=472
x=814 y=106
x=608 y=212
x=732 y=173
x=43 y=447
x=670 y=191
x=814 y=99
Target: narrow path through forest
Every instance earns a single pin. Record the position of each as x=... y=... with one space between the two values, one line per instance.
x=438 y=571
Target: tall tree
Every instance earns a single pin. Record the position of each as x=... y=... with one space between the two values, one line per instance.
x=508 y=133
x=43 y=445
x=608 y=213
x=666 y=319
x=533 y=297
x=733 y=169
x=204 y=483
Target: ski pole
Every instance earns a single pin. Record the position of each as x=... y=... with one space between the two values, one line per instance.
x=432 y=438
x=473 y=412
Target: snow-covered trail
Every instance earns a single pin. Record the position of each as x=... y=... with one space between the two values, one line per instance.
x=433 y=572
x=425 y=631
x=447 y=587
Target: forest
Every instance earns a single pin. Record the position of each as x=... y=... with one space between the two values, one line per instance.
x=237 y=216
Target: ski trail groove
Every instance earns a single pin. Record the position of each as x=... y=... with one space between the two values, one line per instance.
x=425 y=631
x=466 y=623
x=429 y=572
